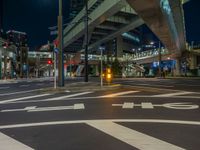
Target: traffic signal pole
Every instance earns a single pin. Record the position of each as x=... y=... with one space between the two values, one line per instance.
x=61 y=81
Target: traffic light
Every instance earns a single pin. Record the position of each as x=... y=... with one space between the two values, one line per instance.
x=108 y=75
x=6 y=45
x=49 y=62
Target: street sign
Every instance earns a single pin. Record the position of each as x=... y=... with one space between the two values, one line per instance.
x=55 y=32
x=56 y=50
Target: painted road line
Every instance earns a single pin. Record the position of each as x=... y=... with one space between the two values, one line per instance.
x=132 y=137
x=16 y=110
x=149 y=105
x=79 y=106
x=158 y=121
x=22 y=98
x=67 y=96
x=97 y=98
x=40 y=109
x=8 y=143
x=119 y=94
x=27 y=85
x=128 y=105
x=20 y=92
x=7 y=87
x=173 y=94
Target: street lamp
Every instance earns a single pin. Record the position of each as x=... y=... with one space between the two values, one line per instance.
x=101 y=74
x=61 y=82
x=86 y=41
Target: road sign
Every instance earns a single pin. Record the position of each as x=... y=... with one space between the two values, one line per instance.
x=55 y=32
x=56 y=50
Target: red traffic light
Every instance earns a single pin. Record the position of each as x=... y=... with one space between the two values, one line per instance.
x=49 y=62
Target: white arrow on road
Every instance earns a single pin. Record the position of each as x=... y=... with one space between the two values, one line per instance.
x=148 y=105
x=37 y=109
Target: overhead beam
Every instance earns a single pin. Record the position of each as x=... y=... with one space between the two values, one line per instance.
x=99 y=15
x=136 y=22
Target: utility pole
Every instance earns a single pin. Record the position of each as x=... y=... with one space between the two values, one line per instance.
x=61 y=81
x=159 y=59
x=86 y=40
x=101 y=75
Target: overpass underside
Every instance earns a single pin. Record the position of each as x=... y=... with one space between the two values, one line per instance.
x=166 y=19
x=109 y=19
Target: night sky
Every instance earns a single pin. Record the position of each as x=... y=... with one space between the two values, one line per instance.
x=35 y=16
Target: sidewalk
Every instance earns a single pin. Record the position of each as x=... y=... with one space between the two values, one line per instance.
x=5 y=81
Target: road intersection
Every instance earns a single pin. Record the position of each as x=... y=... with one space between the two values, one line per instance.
x=127 y=117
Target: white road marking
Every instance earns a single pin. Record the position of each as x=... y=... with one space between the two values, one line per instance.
x=93 y=97
x=66 y=96
x=40 y=109
x=148 y=105
x=27 y=85
x=173 y=94
x=118 y=94
x=67 y=91
x=7 y=87
x=20 y=92
x=8 y=143
x=22 y=98
x=128 y=105
x=16 y=110
x=79 y=106
x=132 y=137
x=197 y=123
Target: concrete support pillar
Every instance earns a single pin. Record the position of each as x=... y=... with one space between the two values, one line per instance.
x=0 y=64
x=193 y=61
x=97 y=70
x=119 y=47
x=5 y=66
x=177 y=67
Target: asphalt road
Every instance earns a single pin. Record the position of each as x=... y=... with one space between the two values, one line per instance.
x=140 y=114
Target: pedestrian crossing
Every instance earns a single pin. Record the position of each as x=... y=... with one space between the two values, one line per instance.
x=35 y=96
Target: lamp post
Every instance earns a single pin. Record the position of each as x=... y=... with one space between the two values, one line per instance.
x=101 y=74
x=86 y=41
x=60 y=54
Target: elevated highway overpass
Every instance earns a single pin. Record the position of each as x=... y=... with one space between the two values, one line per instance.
x=109 y=19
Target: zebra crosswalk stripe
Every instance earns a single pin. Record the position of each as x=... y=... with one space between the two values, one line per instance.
x=22 y=98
